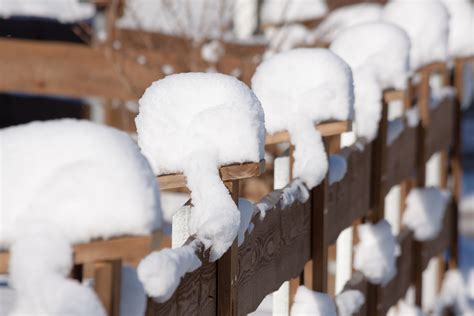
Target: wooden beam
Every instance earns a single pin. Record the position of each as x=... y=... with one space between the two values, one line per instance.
x=227 y=173
x=326 y=129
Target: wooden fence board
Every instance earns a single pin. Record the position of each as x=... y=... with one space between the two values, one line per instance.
x=349 y=198
x=439 y=132
x=359 y=282
x=398 y=286
x=196 y=295
x=275 y=251
x=401 y=158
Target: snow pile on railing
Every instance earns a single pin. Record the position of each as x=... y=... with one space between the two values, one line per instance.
x=376 y=252
x=284 y=11
x=337 y=168
x=378 y=54
x=62 y=10
x=345 y=17
x=461 y=27
x=427 y=25
x=88 y=179
x=425 y=212
x=308 y=302
x=69 y=182
x=194 y=123
x=454 y=294
x=297 y=89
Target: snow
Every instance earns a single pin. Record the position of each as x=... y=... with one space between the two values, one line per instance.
x=345 y=17
x=161 y=271
x=295 y=191
x=395 y=128
x=296 y=92
x=307 y=302
x=212 y=51
x=454 y=292
x=407 y=309
x=378 y=54
x=468 y=85
x=62 y=10
x=461 y=27
x=425 y=208
x=194 y=123
x=349 y=302
x=285 y=38
x=247 y=209
x=196 y=19
x=284 y=11
x=427 y=25
x=87 y=179
x=40 y=261
x=376 y=252
x=337 y=168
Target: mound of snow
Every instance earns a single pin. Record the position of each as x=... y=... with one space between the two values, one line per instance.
x=349 y=302
x=378 y=54
x=337 y=168
x=39 y=265
x=88 y=179
x=407 y=309
x=161 y=271
x=308 y=302
x=454 y=294
x=425 y=212
x=376 y=252
x=345 y=17
x=62 y=10
x=284 y=11
x=297 y=89
x=427 y=25
x=461 y=27
x=194 y=123
x=196 y=19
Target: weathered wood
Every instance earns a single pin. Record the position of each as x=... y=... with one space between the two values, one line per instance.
x=440 y=131
x=107 y=284
x=275 y=251
x=326 y=129
x=128 y=249
x=334 y=4
x=227 y=173
x=348 y=199
x=358 y=282
x=398 y=286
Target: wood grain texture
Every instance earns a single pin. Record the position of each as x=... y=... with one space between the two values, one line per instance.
x=398 y=286
x=439 y=133
x=275 y=251
x=401 y=158
x=334 y=4
x=349 y=199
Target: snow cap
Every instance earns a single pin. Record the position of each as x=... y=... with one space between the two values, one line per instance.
x=376 y=252
x=308 y=302
x=378 y=54
x=427 y=25
x=461 y=27
x=297 y=89
x=88 y=179
x=195 y=123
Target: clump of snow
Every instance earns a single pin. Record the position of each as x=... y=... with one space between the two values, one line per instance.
x=376 y=252
x=425 y=212
x=161 y=271
x=196 y=19
x=378 y=54
x=62 y=10
x=247 y=209
x=295 y=191
x=427 y=25
x=453 y=294
x=171 y=202
x=337 y=168
x=88 y=179
x=40 y=261
x=345 y=17
x=194 y=123
x=349 y=302
x=308 y=302
x=297 y=89
x=212 y=51
x=461 y=27
x=413 y=117
x=407 y=309
x=284 y=11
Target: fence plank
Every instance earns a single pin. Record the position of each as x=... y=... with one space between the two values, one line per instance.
x=439 y=133
x=274 y=252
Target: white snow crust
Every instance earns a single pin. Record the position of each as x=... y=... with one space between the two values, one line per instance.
x=62 y=10
x=461 y=27
x=297 y=89
x=378 y=54
x=88 y=179
x=349 y=302
x=312 y=303
x=425 y=212
x=375 y=254
x=337 y=168
x=427 y=25
x=194 y=123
